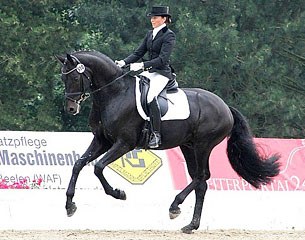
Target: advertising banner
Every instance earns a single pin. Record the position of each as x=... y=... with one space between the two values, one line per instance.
x=223 y=177
x=45 y=160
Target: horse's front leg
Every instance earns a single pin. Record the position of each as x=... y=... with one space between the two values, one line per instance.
x=96 y=148
x=117 y=150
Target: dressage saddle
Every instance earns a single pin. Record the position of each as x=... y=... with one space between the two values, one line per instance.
x=171 y=87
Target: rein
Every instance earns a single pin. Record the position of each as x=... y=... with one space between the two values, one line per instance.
x=108 y=84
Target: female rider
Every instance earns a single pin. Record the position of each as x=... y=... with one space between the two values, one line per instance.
x=158 y=43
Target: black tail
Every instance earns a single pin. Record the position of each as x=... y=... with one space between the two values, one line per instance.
x=244 y=157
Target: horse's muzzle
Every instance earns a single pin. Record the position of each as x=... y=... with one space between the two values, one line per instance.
x=72 y=107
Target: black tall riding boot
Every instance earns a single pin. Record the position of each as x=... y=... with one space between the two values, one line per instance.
x=155 y=121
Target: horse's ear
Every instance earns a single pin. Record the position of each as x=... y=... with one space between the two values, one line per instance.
x=60 y=59
x=69 y=57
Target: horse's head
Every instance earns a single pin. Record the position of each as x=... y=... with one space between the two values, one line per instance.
x=77 y=79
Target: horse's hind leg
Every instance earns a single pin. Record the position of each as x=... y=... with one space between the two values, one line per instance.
x=200 y=191
x=202 y=154
x=189 y=156
x=96 y=148
x=198 y=168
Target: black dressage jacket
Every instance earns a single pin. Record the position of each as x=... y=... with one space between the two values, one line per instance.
x=159 y=50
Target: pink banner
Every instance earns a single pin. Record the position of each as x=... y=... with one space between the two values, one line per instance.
x=223 y=177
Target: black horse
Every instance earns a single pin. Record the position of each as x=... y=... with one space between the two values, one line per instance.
x=117 y=129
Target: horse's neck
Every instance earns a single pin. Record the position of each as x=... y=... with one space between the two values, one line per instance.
x=116 y=89
x=113 y=102
x=104 y=77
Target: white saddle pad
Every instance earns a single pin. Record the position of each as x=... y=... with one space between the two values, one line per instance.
x=178 y=106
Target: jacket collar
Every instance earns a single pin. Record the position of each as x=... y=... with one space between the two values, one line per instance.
x=158 y=29
x=161 y=32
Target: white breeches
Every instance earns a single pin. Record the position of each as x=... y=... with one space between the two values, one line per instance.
x=157 y=84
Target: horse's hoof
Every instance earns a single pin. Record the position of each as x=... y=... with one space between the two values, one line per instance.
x=174 y=213
x=187 y=229
x=120 y=194
x=71 y=209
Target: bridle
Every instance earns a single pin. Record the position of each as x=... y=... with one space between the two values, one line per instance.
x=81 y=69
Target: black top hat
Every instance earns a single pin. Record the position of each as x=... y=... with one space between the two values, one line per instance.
x=159 y=11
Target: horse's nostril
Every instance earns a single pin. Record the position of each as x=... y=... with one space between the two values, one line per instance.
x=71 y=109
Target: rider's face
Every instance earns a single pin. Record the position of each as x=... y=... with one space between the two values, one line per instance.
x=157 y=21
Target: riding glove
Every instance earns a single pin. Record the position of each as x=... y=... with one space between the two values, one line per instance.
x=120 y=63
x=136 y=66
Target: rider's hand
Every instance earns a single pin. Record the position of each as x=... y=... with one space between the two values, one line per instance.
x=136 y=66
x=120 y=63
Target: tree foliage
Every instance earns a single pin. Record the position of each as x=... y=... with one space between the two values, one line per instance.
x=250 y=53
